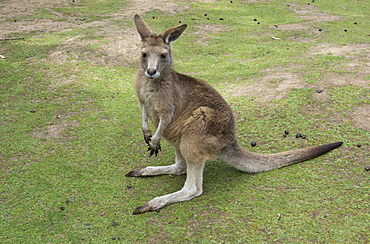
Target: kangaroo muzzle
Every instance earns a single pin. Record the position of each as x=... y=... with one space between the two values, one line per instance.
x=152 y=71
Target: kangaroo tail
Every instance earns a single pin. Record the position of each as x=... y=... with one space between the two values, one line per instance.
x=246 y=161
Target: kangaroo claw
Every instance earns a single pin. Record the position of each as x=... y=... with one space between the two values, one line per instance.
x=154 y=149
x=133 y=174
x=145 y=208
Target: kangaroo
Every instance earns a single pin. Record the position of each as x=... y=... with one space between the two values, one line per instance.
x=195 y=119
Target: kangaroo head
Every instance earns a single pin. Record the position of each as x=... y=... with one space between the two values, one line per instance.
x=156 y=49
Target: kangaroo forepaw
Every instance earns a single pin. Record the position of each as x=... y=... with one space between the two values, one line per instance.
x=153 y=149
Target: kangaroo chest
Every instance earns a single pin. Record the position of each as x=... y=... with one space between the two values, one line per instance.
x=158 y=100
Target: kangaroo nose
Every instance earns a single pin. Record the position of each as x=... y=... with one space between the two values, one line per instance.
x=151 y=72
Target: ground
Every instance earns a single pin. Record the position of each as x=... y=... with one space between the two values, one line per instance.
x=70 y=130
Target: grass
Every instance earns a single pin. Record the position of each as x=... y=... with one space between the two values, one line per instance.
x=70 y=131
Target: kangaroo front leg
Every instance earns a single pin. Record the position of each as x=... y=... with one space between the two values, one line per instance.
x=144 y=124
x=153 y=144
x=191 y=189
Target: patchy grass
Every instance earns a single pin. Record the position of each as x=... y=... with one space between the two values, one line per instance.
x=70 y=127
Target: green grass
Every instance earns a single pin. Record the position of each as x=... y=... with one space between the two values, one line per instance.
x=70 y=131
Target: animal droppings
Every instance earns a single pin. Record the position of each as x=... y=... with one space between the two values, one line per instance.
x=286 y=132
x=253 y=144
x=298 y=135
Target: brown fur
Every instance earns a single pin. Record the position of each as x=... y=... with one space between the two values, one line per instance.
x=195 y=119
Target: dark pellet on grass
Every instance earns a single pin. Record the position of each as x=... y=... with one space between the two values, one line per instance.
x=253 y=144
x=367 y=168
x=319 y=91
x=303 y=136
x=345 y=30
x=286 y=132
x=320 y=29
x=221 y=18
x=298 y=135
x=62 y=208
x=32 y=111
x=359 y=145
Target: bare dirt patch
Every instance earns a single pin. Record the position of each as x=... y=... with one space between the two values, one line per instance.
x=361 y=117
x=204 y=30
x=276 y=84
x=311 y=13
x=349 y=50
x=123 y=42
x=55 y=131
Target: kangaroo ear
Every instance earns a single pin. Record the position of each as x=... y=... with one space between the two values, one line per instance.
x=142 y=27
x=172 y=34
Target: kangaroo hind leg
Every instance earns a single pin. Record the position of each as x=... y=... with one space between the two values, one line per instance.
x=192 y=188
x=178 y=168
x=196 y=155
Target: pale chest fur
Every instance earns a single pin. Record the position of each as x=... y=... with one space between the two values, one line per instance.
x=157 y=96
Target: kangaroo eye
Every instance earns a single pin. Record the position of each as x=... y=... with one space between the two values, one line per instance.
x=163 y=56
x=144 y=55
